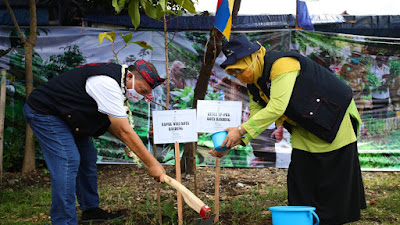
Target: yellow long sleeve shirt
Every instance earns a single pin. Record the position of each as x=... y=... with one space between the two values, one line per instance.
x=283 y=78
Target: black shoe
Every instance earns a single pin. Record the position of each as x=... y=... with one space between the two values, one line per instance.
x=97 y=215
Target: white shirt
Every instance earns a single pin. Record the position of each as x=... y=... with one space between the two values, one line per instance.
x=379 y=73
x=107 y=94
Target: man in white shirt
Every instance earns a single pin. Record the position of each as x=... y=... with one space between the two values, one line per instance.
x=67 y=111
x=380 y=94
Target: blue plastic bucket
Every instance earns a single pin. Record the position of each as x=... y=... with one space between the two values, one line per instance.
x=217 y=139
x=289 y=215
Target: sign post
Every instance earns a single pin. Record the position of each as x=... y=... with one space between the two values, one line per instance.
x=214 y=116
x=174 y=126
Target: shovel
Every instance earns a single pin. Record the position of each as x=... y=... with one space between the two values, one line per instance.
x=194 y=202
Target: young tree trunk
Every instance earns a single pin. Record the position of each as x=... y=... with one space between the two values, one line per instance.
x=28 y=164
x=213 y=50
x=29 y=157
x=166 y=61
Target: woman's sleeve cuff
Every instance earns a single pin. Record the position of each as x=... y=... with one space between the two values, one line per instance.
x=252 y=129
x=247 y=138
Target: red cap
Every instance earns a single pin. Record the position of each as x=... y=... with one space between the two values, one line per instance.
x=148 y=74
x=205 y=212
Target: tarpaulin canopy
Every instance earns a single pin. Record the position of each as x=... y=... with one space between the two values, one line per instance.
x=380 y=26
x=201 y=22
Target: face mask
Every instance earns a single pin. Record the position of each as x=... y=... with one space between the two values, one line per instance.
x=247 y=76
x=355 y=60
x=132 y=95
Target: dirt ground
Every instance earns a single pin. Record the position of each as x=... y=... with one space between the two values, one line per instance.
x=233 y=181
x=229 y=178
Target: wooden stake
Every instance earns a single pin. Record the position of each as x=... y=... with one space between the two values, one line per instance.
x=216 y=183
x=158 y=187
x=194 y=170
x=179 y=179
x=2 y=116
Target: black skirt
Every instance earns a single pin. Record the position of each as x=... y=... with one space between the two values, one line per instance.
x=331 y=182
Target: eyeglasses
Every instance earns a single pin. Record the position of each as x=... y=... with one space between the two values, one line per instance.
x=235 y=72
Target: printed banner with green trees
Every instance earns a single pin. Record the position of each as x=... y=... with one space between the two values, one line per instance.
x=371 y=66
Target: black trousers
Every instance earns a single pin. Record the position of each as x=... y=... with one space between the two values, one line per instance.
x=331 y=182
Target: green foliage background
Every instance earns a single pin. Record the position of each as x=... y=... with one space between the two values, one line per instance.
x=14 y=142
x=381 y=135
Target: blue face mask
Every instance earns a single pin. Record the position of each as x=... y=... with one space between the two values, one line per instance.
x=355 y=60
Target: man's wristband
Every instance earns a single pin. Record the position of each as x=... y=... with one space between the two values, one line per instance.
x=240 y=130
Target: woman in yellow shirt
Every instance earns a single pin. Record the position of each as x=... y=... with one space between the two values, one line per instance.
x=287 y=88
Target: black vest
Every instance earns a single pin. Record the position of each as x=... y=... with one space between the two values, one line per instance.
x=319 y=99
x=65 y=96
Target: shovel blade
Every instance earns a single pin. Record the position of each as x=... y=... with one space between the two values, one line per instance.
x=208 y=221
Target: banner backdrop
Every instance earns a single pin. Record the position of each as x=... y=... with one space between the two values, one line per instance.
x=371 y=66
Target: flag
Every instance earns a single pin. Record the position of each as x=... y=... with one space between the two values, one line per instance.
x=223 y=17
x=303 y=20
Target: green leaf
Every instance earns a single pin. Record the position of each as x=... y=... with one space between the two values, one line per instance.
x=115 y=5
x=142 y=3
x=127 y=37
x=169 y=210
x=163 y=5
x=142 y=44
x=150 y=9
x=170 y=12
x=134 y=14
x=118 y=5
x=179 y=13
x=186 y=4
x=111 y=36
x=160 y=12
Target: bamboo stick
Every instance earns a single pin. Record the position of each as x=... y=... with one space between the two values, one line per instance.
x=216 y=184
x=179 y=179
x=2 y=115
x=158 y=188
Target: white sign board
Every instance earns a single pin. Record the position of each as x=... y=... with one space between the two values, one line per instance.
x=172 y=126
x=214 y=116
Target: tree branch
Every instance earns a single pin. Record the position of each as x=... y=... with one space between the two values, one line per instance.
x=21 y=35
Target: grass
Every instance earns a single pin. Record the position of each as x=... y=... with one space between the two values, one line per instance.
x=31 y=204
x=383 y=195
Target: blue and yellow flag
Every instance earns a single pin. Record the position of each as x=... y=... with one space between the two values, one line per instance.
x=223 y=17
